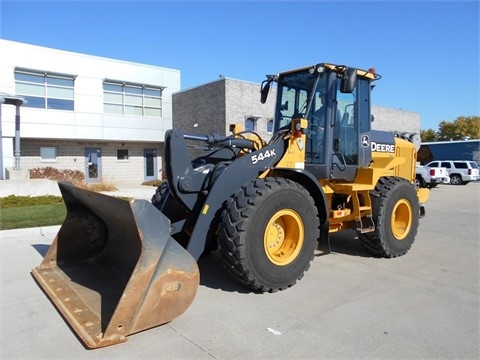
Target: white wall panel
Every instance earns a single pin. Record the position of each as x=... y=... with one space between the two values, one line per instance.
x=138 y=135
x=90 y=72
x=47 y=131
x=89 y=119
x=89 y=132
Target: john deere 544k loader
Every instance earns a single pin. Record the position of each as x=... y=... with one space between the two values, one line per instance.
x=117 y=267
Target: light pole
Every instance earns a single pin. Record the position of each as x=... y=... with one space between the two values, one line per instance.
x=17 y=101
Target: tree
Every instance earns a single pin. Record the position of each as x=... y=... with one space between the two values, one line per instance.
x=460 y=129
x=428 y=135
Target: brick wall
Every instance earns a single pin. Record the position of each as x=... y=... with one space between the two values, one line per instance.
x=212 y=107
x=200 y=110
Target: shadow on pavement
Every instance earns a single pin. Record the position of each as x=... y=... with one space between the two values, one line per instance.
x=215 y=276
x=347 y=243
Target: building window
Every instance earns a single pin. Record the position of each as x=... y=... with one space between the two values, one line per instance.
x=45 y=90
x=251 y=123
x=130 y=99
x=269 y=126
x=122 y=154
x=48 y=153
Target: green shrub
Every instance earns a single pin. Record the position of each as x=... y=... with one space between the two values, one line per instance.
x=21 y=201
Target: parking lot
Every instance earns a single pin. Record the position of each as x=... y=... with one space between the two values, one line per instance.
x=349 y=305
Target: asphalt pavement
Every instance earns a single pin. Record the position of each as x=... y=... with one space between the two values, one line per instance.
x=348 y=305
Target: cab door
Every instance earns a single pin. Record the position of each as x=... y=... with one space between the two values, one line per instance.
x=351 y=146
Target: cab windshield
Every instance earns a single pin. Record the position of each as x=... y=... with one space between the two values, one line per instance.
x=295 y=96
x=303 y=95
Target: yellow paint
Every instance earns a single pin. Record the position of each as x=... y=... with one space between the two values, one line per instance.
x=294 y=157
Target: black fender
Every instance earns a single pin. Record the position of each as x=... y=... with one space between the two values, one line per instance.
x=309 y=182
x=243 y=169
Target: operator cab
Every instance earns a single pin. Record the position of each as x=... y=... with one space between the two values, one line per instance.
x=336 y=102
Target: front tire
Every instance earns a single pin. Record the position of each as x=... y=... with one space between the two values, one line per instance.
x=268 y=234
x=396 y=213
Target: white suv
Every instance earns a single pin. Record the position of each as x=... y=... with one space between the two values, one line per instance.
x=460 y=171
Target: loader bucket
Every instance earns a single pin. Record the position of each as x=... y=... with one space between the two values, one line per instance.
x=113 y=269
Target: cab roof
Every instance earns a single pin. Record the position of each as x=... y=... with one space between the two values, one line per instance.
x=369 y=74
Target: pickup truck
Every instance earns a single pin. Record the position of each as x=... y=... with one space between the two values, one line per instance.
x=429 y=177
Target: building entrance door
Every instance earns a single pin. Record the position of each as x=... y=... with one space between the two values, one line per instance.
x=150 y=164
x=93 y=165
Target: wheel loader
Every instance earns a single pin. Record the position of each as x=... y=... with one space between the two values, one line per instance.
x=116 y=268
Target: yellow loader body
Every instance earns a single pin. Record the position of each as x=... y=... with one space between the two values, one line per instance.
x=117 y=267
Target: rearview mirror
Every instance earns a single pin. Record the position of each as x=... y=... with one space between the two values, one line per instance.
x=348 y=81
x=265 y=88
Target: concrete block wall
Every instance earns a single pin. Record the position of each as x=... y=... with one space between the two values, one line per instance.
x=243 y=100
x=397 y=120
x=70 y=155
x=131 y=170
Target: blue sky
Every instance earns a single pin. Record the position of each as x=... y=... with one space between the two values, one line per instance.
x=426 y=51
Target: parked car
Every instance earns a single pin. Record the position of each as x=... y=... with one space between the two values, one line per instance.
x=430 y=177
x=461 y=172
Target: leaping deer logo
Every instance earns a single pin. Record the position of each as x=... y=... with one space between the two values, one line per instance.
x=365 y=141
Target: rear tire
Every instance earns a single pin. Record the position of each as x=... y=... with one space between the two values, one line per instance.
x=455 y=179
x=420 y=182
x=268 y=234
x=396 y=213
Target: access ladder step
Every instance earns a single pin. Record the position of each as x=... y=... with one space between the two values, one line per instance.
x=366 y=228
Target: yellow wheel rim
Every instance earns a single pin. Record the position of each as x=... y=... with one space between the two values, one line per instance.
x=401 y=219
x=284 y=236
